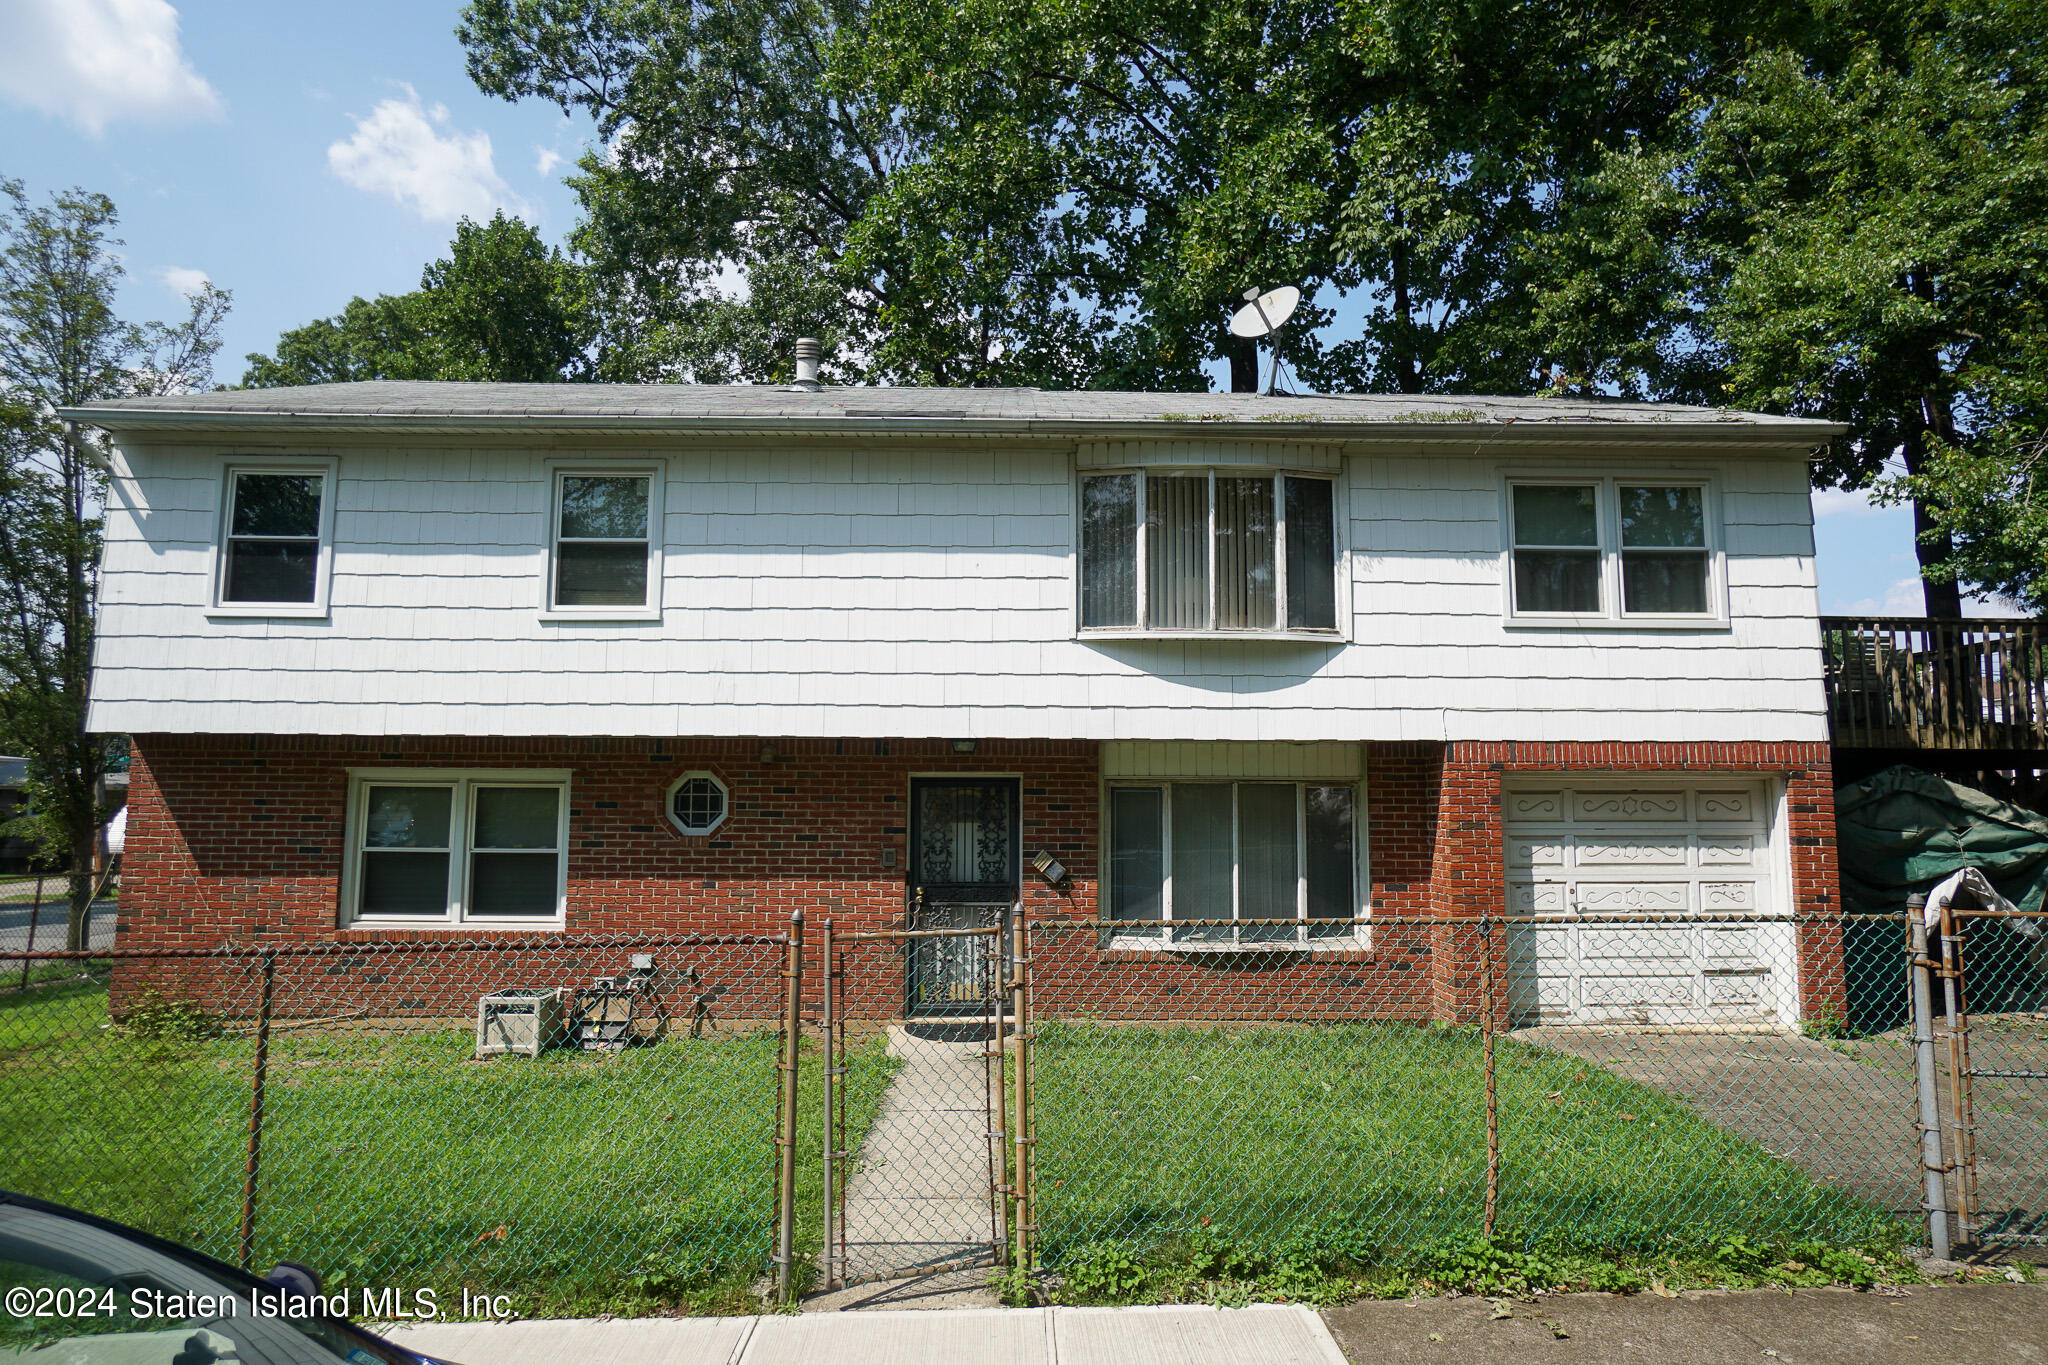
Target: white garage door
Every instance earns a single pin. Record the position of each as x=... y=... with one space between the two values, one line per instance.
x=1679 y=856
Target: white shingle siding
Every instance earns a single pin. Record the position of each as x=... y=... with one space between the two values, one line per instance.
x=914 y=591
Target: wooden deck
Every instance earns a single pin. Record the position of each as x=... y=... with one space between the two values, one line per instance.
x=1897 y=682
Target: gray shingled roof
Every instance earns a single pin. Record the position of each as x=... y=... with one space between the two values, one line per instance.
x=731 y=406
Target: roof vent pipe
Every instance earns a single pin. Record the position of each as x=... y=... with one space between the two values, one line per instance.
x=807 y=353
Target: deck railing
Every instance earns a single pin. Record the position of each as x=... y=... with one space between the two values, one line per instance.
x=1900 y=682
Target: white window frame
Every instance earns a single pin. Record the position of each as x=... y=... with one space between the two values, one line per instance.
x=1606 y=487
x=668 y=804
x=235 y=466
x=461 y=824
x=1340 y=586
x=1157 y=935
x=558 y=470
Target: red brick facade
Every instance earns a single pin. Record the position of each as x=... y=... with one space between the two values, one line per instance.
x=240 y=840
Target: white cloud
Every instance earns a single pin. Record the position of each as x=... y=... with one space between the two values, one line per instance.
x=184 y=279
x=406 y=150
x=1843 y=502
x=546 y=159
x=1904 y=597
x=97 y=62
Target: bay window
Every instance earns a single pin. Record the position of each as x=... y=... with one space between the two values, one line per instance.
x=1208 y=550
x=457 y=848
x=1197 y=863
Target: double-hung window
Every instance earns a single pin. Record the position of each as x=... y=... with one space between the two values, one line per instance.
x=1208 y=550
x=1193 y=863
x=605 y=546
x=274 y=533
x=483 y=848
x=1615 y=549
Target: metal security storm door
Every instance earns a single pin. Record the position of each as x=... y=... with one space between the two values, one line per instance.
x=964 y=873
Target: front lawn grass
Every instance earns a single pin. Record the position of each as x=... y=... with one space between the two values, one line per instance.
x=622 y=1182
x=1369 y=1138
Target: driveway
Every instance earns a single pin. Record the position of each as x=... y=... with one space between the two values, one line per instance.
x=1844 y=1110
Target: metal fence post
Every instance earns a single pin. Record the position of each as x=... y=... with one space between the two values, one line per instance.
x=1024 y=1220
x=1961 y=1109
x=1486 y=1048
x=786 y=1119
x=252 y=1166
x=1920 y=966
x=829 y=1022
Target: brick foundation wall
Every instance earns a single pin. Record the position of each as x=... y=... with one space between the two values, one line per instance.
x=240 y=840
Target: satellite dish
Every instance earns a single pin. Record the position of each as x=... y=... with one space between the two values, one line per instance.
x=1265 y=312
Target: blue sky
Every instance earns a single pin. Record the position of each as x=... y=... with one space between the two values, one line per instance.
x=300 y=155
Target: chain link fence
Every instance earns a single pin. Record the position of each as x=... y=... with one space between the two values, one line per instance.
x=626 y=1123
x=1991 y=1012
x=1605 y=1082
x=915 y=1155
x=570 y=1121
x=35 y=911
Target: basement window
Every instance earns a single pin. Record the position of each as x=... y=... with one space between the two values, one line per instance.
x=482 y=848
x=1209 y=551
x=1193 y=864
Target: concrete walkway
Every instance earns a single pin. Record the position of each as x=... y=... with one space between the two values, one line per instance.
x=919 y=1201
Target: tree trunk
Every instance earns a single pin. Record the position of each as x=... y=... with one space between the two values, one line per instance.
x=1407 y=365
x=80 y=899
x=1931 y=544
x=1243 y=353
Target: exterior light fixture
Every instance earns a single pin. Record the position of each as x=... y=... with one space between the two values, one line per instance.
x=964 y=746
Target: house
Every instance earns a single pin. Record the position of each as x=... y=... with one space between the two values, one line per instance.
x=419 y=659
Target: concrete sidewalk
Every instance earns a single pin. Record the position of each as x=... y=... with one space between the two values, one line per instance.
x=1990 y=1324
x=1267 y=1334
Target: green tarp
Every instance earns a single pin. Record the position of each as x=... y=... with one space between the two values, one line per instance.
x=1901 y=832
x=1905 y=829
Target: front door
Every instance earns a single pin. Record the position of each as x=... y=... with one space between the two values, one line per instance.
x=963 y=874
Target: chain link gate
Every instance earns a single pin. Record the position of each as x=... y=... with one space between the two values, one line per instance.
x=925 y=1031
x=1981 y=1036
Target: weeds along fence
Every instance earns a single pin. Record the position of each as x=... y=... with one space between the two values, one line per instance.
x=563 y=1119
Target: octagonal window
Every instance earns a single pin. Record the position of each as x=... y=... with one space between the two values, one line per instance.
x=697 y=803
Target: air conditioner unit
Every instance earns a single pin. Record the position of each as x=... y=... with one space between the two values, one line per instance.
x=523 y=1019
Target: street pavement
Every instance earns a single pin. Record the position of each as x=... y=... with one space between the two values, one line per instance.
x=1984 y=1324
x=17 y=907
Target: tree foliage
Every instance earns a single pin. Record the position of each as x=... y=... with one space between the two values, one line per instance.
x=63 y=343
x=502 y=305
x=1872 y=234
x=1824 y=207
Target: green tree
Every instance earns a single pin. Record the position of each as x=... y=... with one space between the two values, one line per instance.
x=62 y=343
x=719 y=217
x=502 y=305
x=1872 y=232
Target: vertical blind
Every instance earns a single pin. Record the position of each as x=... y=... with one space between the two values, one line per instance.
x=1214 y=552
